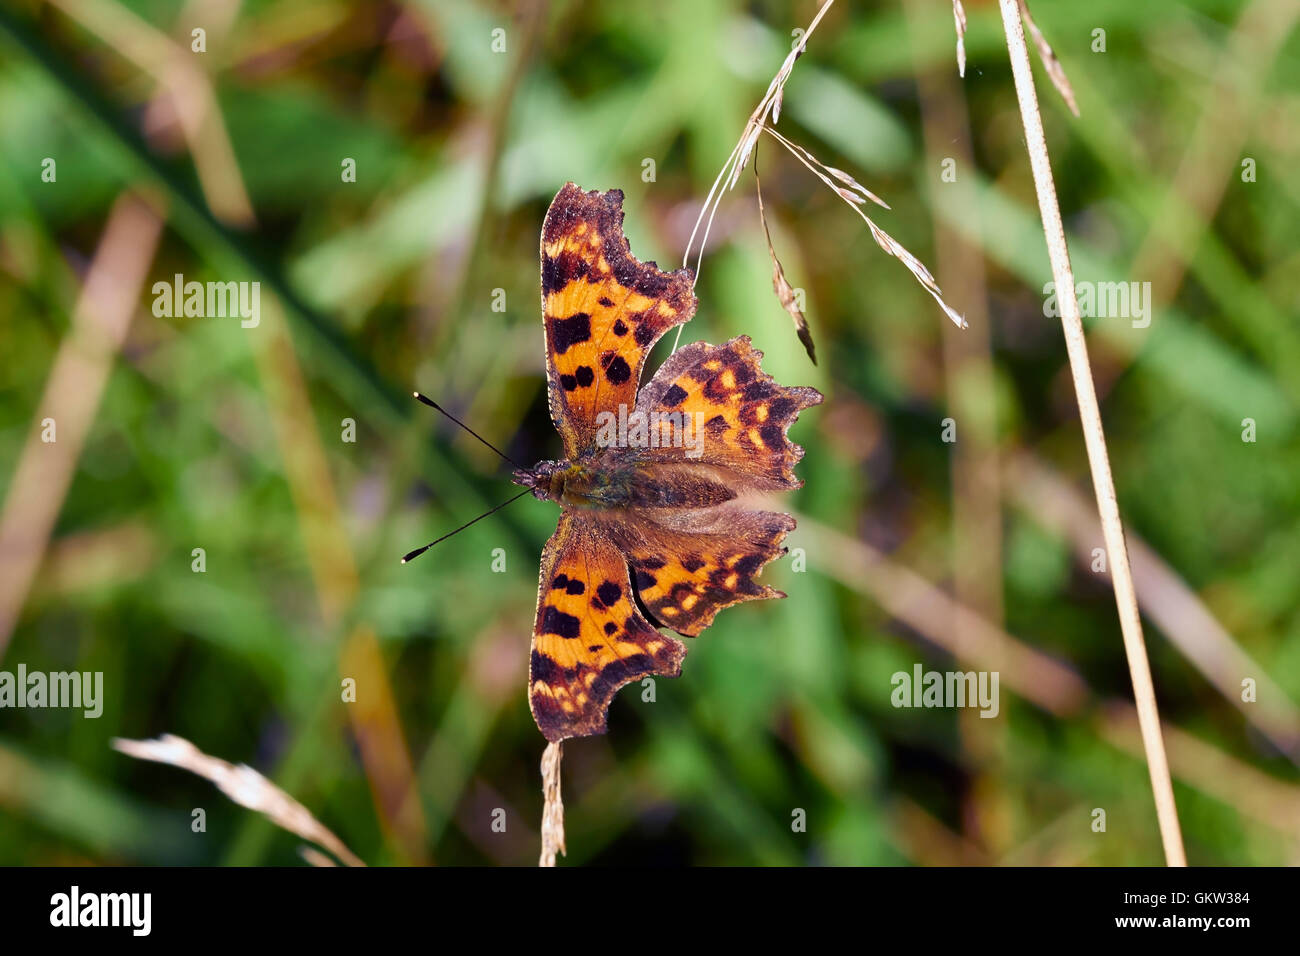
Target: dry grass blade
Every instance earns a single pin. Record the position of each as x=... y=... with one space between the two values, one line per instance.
x=770 y=104
x=242 y=784
x=781 y=284
x=856 y=193
x=553 y=810
x=841 y=183
x=190 y=97
x=316 y=858
x=44 y=472
x=1050 y=63
x=959 y=15
x=844 y=177
x=883 y=239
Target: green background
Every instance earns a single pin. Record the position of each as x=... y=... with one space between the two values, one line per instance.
x=213 y=436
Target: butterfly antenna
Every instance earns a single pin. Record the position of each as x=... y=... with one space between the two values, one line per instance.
x=409 y=556
x=436 y=407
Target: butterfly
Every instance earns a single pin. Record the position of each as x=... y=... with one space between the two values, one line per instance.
x=651 y=532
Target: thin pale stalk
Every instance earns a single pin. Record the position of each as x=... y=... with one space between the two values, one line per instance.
x=553 y=809
x=1094 y=438
x=740 y=153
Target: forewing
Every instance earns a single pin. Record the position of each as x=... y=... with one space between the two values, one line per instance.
x=589 y=639
x=603 y=310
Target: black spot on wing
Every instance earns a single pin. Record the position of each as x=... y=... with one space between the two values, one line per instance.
x=618 y=371
x=680 y=592
x=609 y=593
x=643 y=278
x=559 y=271
x=571 y=331
x=782 y=408
x=545 y=669
x=584 y=376
x=619 y=672
x=555 y=621
x=675 y=395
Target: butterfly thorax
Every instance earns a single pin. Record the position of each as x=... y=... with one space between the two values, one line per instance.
x=571 y=483
x=619 y=478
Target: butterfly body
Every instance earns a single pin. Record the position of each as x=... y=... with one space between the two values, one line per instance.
x=619 y=478
x=652 y=530
x=572 y=484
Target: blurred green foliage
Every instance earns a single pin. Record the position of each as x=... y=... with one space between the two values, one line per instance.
x=387 y=284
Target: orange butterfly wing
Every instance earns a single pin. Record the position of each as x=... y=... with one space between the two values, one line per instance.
x=688 y=565
x=744 y=414
x=603 y=311
x=589 y=639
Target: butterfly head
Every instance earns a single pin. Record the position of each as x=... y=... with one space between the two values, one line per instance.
x=572 y=484
x=546 y=479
